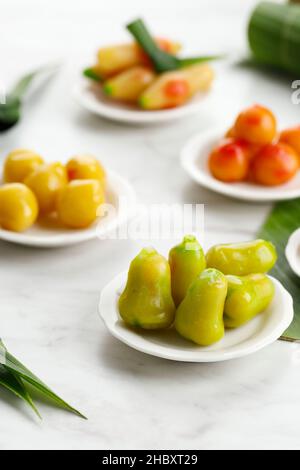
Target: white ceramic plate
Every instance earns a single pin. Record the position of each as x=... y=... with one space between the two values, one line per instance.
x=292 y=251
x=48 y=234
x=258 y=333
x=194 y=159
x=91 y=97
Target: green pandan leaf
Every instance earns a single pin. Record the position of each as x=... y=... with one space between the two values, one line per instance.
x=162 y=61
x=11 y=108
x=15 y=385
x=283 y=220
x=186 y=61
x=11 y=364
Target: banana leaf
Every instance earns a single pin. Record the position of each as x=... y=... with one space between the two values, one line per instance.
x=282 y=221
x=274 y=35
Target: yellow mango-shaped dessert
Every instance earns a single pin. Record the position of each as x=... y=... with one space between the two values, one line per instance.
x=146 y=301
x=85 y=167
x=187 y=261
x=115 y=59
x=199 y=317
x=256 y=256
x=128 y=85
x=18 y=207
x=175 y=88
x=46 y=182
x=19 y=164
x=247 y=296
x=79 y=202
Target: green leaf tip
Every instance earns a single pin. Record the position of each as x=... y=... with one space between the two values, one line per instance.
x=162 y=61
x=21 y=374
x=10 y=110
x=91 y=74
x=185 y=62
x=15 y=385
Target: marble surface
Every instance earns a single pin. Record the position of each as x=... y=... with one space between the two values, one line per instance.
x=49 y=298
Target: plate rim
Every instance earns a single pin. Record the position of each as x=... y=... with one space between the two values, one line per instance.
x=74 y=237
x=290 y=250
x=209 y=356
x=188 y=158
x=136 y=116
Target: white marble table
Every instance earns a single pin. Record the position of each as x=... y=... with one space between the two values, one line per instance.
x=48 y=298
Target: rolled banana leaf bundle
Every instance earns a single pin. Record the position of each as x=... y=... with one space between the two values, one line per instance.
x=274 y=35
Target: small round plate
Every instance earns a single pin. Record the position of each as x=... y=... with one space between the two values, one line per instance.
x=194 y=159
x=292 y=251
x=258 y=333
x=91 y=97
x=120 y=197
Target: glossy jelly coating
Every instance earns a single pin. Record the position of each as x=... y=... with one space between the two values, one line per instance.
x=174 y=88
x=128 y=85
x=82 y=167
x=79 y=202
x=18 y=207
x=291 y=137
x=146 y=301
x=114 y=59
x=229 y=162
x=274 y=164
x=187 y=261
x=256 y=124
x=47 y=181
x=199 y=317
x=241 y=259
x=247 y=296
x=19 y=164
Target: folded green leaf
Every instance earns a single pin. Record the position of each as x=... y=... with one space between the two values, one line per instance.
x=18 y=369
x=22 y=85
x=162 y=61
x=279 y=225
x=15 y=385
x=10 y=109
x=10 y=112
x=2 y=353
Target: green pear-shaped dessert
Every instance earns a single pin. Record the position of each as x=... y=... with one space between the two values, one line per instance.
x=247 y=296
x=147 y=300
x=199 y=317
x=187 y=261
x=241 y=259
